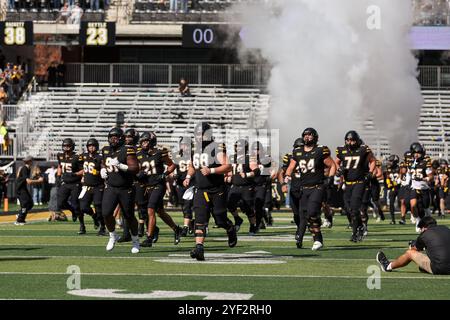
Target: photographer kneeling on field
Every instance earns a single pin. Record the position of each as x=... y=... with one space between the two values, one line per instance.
x=435 y=239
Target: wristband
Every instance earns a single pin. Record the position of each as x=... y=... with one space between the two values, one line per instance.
x=213 y=170
x=122 y=167
x=188 y=176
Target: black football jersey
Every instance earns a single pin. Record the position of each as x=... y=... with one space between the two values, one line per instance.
x=182 y=163
x=265 y=171
x=311 y=164
x=152 y=163
x=116 y=177
x=240 y=164
x=354 y=162
x=92 y=164
x=295 y=177
x=70 y=164
x=207 y=157
x=391 y=177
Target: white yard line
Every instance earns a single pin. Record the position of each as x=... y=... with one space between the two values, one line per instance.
x=430 y=277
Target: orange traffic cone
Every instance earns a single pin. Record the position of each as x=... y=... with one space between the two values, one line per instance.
x=5 y=205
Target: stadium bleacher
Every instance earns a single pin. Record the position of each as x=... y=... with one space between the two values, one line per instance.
x=86 y=111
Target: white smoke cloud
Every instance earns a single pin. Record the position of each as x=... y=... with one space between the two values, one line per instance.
x=329 y=68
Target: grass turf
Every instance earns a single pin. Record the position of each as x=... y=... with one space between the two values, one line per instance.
x=34 y=260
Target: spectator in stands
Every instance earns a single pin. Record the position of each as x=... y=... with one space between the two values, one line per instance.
x=94 y=5
x=4 y=137
x=37 y=187
x=4 y=179
x=61 y=74
x=75 y=14
x=184 y=6
x=11 y=5
x=173 y=6
x=183 y=88
x=64 y=14
x=51 y=75
x=3 y=96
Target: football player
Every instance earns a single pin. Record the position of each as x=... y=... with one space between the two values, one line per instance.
x=263 y=184
x=312 y=160
x=392 y=182
x=152 y=160
x=357 y=164
x=119 y=168
x=181 y=160
x=403 y=192
x=372 y=196
x=421 y=174
x=242 y=190
x=93 y=186
x=132 y=141
x=292 y=185
x=443 y=182
x=209 y=165
x=69 y=171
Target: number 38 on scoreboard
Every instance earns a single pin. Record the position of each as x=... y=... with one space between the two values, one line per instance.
x=97 y=34
x=16 y=33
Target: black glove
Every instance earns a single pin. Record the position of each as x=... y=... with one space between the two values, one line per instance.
x=339 y=172
x=412 y=243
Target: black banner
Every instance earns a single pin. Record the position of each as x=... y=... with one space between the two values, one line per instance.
x=16 y=33
x=101 y=34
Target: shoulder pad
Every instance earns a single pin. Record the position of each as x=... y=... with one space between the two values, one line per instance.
x=325 y=150
x=130 y=151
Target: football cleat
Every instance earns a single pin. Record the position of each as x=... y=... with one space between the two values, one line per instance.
x=262 y=225
x=156 y=234
x=392 y=222
x=184 y=231
x=112 y=241
x=252 y=230
x=317 y=245
x=102 y=231
x=402 y=222
x=147 y=243
x=232 y=237
x=82 y=230
x=299 y=244
x=198 y=252
x=96 y=223
x=383 y=261
x=135 y=247
x=177 y=235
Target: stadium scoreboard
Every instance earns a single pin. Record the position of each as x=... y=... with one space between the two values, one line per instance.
x=97 y=34
x=209 y=36
x=16 y=33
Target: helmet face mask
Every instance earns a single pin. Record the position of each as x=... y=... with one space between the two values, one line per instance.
x=131 y=137
x=417 y=150
x=352 y=140
x=68 y=145
x=116 y=137
x=310 y=137
x=92 y=143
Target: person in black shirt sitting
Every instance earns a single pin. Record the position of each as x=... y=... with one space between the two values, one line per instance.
x=435 y=240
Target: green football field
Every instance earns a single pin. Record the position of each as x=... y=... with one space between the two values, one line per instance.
x=48 y=260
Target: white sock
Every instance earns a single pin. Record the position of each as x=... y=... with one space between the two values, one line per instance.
x=135 y=238
x=113 y=234
x=389 y=267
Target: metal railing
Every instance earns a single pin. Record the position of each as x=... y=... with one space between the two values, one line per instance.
x=429 y=77
x=148 y=74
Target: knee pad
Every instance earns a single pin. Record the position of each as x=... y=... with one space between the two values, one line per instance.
x=202 y=228
x=314 y=222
